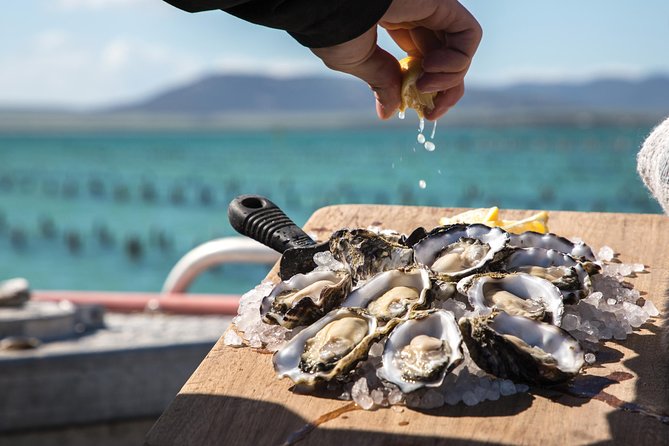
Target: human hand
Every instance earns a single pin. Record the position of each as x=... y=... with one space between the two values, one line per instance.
x=442 y=32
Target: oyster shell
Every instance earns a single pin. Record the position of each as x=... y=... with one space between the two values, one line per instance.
x=518 y=348
x=455 y=251
x=304 y=298
x=391 y=294
x=367 y=253
x=420 y=351
x=328 y=348
x=517 y=294
x=531 y=239
x=565 y=272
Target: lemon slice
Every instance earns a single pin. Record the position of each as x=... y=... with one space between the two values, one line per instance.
x=480 y=215
x=490 y=217
x=411 y=96
x=537 y=222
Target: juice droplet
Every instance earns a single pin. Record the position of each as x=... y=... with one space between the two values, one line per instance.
x=401 y=115
x=422 y=184
x=439 y=171
x=421 y=138
x=421 y=125
x=429 y=146
x=392 y=166
x=434 y=129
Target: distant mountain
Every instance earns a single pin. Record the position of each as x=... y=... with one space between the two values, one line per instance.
x=222 y=94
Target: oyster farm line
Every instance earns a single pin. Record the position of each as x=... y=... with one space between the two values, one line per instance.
x=463 y=313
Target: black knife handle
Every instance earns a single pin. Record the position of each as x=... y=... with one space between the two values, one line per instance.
x=257 y=217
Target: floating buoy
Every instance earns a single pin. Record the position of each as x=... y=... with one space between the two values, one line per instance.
x=18 y=238
x=134 y=248
x=47 y=227
x=73 y=241
x=148 y=192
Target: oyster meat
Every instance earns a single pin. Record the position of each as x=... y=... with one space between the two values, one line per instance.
x=328 y=348
x=421 y=350
x=518 y=294
x=455 y=251
x=519 y=348
x=391 y=294
x=304 y=298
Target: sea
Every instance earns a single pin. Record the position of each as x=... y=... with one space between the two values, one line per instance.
x=116 y=210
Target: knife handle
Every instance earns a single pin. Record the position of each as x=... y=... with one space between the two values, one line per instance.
x=257 y=217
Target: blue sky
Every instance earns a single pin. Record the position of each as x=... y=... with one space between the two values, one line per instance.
x=97 y=52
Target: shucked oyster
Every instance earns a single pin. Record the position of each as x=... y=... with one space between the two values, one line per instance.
x=328 y=348
x=518 y=348
x=420 y=351
x=304 y=298
x=367 y=253
x=458 y=250
x=565 y=272
x=518 y=294
x=391 y=294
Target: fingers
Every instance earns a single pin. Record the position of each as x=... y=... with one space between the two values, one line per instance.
x=445 y=100
x=362 y=58
x=446 y=35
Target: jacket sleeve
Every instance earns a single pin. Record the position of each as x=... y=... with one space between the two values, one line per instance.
x=313 y=23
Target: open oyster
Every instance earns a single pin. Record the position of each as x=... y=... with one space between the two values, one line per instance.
x=391 y=294
x=565 y=272
x=420 y=351
x=366 y=253
x=455 y=251
x=518 y=294
x=328 y=348
x=531 y=239
x=518 y=348
x=304 y=298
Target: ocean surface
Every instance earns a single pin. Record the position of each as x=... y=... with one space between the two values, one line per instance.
x=115 y=211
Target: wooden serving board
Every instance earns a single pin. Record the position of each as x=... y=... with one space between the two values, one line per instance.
x=234 y=398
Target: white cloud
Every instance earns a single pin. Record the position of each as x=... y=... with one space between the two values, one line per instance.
x=62 y=70
x=52 y=39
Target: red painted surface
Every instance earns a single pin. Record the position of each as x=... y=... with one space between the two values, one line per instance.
x=131 y=302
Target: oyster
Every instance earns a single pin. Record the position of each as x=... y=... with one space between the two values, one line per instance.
x=391 y=294
x=518 y=294
x=569 y=275
x=455 y=251
x=518 y=348
x=420 y=351
x=531 y=239
x=328 y=348
x=304 y=298
x=366 y=253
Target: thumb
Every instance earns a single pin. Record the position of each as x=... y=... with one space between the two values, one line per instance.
x=362 y=58
x=382 y=73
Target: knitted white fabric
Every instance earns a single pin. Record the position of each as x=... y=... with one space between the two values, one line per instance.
x=653 y=164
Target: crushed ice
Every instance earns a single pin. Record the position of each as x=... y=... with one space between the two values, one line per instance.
x=612 y=311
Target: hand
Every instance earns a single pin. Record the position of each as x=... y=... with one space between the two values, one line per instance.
x=442 y=32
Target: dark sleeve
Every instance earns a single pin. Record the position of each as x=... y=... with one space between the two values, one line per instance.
x=313 y=23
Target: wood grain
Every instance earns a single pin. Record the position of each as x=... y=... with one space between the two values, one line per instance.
x=234 y=398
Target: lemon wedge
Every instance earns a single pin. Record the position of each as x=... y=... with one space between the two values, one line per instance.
x=480 y=215
x=537 y=223
x=411 y=96
x=490 y=217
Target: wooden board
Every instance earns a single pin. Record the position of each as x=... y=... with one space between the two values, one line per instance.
x=234 y=397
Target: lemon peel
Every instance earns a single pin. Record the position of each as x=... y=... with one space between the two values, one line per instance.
x=411 y=96
x=490 y=217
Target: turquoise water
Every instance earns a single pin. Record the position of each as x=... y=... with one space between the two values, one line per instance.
x=74 y=206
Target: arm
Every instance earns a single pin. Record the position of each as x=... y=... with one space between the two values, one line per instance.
x=343 y=33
